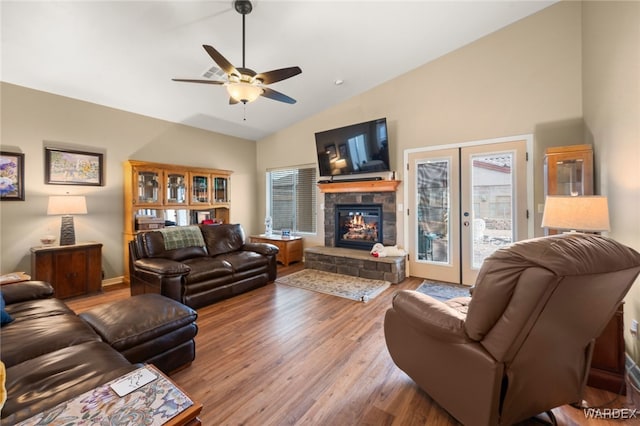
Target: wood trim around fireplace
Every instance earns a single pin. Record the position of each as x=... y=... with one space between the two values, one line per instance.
x=360 y=186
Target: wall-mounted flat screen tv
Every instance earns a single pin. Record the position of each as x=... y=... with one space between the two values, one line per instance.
x=358 y=148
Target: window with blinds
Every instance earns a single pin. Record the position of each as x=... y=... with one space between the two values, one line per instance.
x=292 y=199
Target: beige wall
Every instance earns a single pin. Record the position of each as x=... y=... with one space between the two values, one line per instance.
x=611 y=90
x=523 y=79
x=29 y=118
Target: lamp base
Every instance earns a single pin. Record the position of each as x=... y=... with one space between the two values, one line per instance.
x=67 y=231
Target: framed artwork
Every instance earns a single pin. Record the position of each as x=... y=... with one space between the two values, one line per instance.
x=65 y=167
x=11 y=176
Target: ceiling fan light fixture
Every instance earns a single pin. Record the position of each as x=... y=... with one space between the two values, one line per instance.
x=244 y=92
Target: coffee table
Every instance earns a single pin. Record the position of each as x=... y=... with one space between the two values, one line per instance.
x=159 y=402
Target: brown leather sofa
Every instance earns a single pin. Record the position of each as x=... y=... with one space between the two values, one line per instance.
x=522 y=343
x=51 y=354
x=199 y=270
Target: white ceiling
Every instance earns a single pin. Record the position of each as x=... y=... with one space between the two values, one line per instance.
x=123 y=54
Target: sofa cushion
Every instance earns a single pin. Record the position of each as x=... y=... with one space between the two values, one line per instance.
x=26 y=290
x=206 y=268
x=152 y=244
x=23 y=340
x=244 y=260
x=38 y=308
x=45 y=381
x=224 y=238
x=177 y=237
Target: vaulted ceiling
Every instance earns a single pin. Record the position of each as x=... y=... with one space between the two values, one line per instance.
x=123 y=54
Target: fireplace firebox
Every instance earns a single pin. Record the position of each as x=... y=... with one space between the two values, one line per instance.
x=358 y=226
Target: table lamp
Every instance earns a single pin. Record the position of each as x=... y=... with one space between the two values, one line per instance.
x=66 y=205
x=584 y=213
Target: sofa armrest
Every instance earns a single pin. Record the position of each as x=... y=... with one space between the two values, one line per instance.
x=430 y=316
x=26 y=290
x=160 y=266
x=264 y=249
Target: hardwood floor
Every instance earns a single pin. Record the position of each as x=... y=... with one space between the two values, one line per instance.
x=282 y=355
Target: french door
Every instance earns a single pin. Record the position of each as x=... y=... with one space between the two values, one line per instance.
x=464 y=203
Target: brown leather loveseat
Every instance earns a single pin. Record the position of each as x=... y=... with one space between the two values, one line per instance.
x=200 y=264
x=52 y=355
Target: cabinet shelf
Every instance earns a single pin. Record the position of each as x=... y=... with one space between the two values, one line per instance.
x=360 y=186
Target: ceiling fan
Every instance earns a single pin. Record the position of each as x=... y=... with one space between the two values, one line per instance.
x=244 y=84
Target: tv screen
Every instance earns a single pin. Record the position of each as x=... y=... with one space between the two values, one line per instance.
x=358 y=148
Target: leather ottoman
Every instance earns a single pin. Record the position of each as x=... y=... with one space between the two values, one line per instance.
x=148 y=328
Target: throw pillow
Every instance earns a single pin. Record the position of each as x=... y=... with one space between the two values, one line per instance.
x=5 y=318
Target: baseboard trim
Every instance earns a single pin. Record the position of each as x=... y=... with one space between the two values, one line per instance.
x=112 y=282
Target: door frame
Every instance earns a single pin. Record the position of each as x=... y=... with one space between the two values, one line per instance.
x=528 y=138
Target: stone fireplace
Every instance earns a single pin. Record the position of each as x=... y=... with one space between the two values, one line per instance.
x=361 y=210
x=366 y=208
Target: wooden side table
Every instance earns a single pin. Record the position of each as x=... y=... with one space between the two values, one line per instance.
x=607 y=363
x=72 y=270
x=290 y=247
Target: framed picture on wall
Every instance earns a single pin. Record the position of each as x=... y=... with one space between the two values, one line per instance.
x=11 y=176
x=65 y=167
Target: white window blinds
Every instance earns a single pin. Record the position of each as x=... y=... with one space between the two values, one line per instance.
x=292 y=199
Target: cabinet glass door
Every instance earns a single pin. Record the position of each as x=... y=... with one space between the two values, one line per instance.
x=148 y=187
x=176 y=188
x=220 y=190
x=200 y=189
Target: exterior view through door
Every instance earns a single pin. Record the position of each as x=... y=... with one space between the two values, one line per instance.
x=465 y=203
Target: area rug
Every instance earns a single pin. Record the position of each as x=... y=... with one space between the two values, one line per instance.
x=442 y=291
x=354 y=288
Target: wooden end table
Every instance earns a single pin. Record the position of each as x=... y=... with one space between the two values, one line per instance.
x=290 y=247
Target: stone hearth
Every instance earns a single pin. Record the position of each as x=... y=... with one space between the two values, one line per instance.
x=357 y=263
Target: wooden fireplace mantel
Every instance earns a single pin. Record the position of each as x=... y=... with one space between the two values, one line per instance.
x=360 y=186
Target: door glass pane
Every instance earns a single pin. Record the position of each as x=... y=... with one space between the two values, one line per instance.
x=433 y=203
x=492 y=219
x=570 y=177
x=199 y=189
x=220 y=189
x=148 y=187
x=176 y=188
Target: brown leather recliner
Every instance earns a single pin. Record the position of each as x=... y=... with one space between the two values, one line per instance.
x=522 y=344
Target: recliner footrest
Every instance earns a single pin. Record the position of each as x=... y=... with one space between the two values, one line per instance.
x=147 y=328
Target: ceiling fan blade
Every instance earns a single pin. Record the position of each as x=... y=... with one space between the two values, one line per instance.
x=232 y=101
x=189 y=80
x=278 y=75
x=220 y=60
x=277 y=96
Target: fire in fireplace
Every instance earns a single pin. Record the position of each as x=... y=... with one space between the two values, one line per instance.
x=358 y=226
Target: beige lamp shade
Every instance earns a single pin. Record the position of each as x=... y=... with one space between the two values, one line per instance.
x=66 y=205
x=587 y=213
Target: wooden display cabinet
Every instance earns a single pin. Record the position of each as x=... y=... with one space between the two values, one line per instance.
x=568 y=170
x=177 y=194
x=73 y=270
